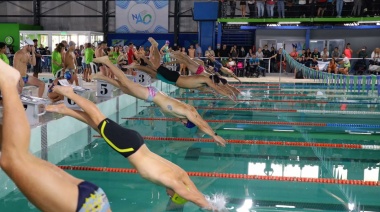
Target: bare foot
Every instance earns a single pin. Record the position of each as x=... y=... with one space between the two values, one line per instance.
x=102 y=60
x=8 y=75
x=152 y=41
x=63 y=90
x=61 y=108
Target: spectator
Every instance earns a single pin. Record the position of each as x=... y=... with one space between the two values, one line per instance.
x=294 y=53
x=3 y=50
x=242 y=52
x=312 y=8
x=322 y=5
x=243 y=5
x=270 y=8
x=348 y=51
x=325 y=54
x=316 y=54
x=224 y=53
x=314 y=64
x=357 y=9
x=335 y=53
x=346 y=65
x=232 y=8
x=332 y=66
x=37 y=67
x=362 y=53
x=260 y=8
x=301 y=8
x=234 y=52
x=191 y=51
x=198 y=51
x=209 y=52
x=259 y=54
x=281 y=8
x=217 y=51
x=251 y=7
x=375 y=56
x=339 y=7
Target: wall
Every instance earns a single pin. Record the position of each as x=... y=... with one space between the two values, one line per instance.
x=284 y=35
x=185 y=39
x=357 y=38
x=83 y=8
x=13 y=29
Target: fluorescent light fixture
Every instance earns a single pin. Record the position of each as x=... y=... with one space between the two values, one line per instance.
x=351 y=24
x=237 y=23
x=247 y=205
x=233 y=128
x=285 y=206
x=313 y=41
x=275 y=130
x=273 y=25
x=295 y=22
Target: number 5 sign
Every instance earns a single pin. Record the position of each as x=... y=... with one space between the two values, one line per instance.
x=104 y=89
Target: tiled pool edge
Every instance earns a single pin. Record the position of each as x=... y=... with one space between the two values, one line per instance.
x=45 y=135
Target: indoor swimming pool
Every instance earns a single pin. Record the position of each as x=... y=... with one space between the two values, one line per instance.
x=292 y=147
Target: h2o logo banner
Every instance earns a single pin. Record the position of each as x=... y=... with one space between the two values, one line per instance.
x=142 y=17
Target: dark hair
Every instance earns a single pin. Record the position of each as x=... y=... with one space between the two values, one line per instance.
x=103 y=42
x=59 y=47
x=2 y=45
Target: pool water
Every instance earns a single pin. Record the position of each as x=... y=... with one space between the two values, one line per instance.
x=302 y=113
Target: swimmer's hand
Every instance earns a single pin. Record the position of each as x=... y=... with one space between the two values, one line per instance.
x=219 y=140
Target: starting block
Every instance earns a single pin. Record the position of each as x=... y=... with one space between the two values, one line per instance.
x=104 y=89
x=32 y=107
x=78 y=90
x=142 y=78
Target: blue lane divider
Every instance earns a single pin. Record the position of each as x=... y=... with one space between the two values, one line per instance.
x=353 y=125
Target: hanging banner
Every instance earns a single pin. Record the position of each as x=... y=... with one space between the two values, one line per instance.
x=142 y=16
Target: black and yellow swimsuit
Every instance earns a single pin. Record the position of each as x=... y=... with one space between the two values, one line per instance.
x=122 y=140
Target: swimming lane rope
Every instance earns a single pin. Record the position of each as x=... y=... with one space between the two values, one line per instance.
x=263 y=142
x=285 y=110
x=235 y=176
x=309 y=124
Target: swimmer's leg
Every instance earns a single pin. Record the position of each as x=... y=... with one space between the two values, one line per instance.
x=45 y=185
x=156 y=59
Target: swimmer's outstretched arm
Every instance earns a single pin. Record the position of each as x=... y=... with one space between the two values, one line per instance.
x=23 y=167
x=229 y=72
x=219 y=90
x=194 y=117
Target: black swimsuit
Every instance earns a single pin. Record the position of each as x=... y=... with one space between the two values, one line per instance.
x=166 y=75
x=122 y=140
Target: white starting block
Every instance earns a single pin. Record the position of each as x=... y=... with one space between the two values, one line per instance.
x=142 y=78
x=104 y=89
x=78 y=90
x=32 y=107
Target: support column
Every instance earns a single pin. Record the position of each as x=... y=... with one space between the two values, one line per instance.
x=307 y=38
x=219 y=36
x=177 y=6
x=36 y=12
x=105 y=10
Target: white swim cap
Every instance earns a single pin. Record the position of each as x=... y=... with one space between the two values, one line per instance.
x=28 y=42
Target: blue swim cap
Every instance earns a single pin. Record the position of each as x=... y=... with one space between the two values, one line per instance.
x=68 y=75
x=190 y=124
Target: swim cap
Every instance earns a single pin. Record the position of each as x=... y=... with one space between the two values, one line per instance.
x=68 y=75
x=177 y=199
x=72 y=43
x=28 y=42
x=190 y=124
x=167 y=42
